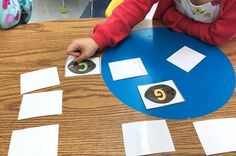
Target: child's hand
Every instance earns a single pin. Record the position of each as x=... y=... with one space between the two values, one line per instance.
x=82 y=48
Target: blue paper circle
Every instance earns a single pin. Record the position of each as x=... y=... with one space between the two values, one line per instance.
x=206 y=88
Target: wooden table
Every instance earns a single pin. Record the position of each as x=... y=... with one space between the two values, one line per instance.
x=92 y=116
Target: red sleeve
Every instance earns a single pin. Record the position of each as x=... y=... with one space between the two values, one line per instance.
x=222 y=30
x=121 y=22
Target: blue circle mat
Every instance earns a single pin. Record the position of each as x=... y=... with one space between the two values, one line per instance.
x=206 y=88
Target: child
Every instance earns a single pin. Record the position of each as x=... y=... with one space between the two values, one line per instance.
x=212 y=21
x=14 y=12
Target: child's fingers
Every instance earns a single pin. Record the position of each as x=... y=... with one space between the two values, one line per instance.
x=76 y=54
x=72 y=48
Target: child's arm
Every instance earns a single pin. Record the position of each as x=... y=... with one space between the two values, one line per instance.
x=222 y=30
x=120 y=24
x=113 y=30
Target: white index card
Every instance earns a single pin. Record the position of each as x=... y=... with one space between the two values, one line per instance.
x=39 y=79
x=95 y=71
x=127 y=69
x=36 y=141
x=41 y=104
x=186 y=58
x=147 y=137
x=151 y=104
x=217 y=136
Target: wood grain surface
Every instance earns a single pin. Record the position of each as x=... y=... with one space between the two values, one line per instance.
x=92 y=116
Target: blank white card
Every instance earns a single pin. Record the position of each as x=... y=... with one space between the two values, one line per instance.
x=38 y=79
x=41 y=104
x=36 y=141
x=127 y=69
x=217 y=136
x=147 y=137
x=186 y=58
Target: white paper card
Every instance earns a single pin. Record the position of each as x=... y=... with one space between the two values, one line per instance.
x=95 y=71
x=147 y=137
x=127 y=69
x=150 y=104
x=186 y=58
x=217 y=136
x=39 y=79
x=41 y=104
x=37 y=141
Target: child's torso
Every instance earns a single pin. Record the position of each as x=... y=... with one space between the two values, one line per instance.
x=205 y=13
